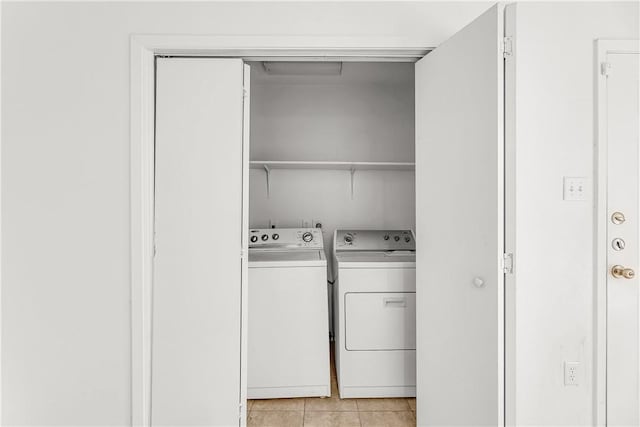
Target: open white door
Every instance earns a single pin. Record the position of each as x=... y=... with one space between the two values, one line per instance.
x=460 y=226
x=200 y=226
x=621 y=126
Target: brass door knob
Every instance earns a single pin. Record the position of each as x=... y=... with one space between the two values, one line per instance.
x=619 y=271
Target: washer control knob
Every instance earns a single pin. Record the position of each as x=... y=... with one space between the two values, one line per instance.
x=407 y=239
x=396 y=238
x=307 y=237
x=348 y=239
x=275 y=236
x=254 y=238
x=386 y=237
x=265 y=237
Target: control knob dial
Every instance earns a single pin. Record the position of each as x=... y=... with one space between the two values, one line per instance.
x=307 y=237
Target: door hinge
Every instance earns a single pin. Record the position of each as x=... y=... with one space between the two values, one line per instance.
x=605 y=67
x=507 y=46
x=507 y=263
x=244 y=93
x=243 y=253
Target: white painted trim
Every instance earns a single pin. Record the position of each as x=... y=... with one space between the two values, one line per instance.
x=510 y=24
x=501 y=208
x=144 y=49
x=317 y=48
x=142 y=223
x=1 y=284
x=603 y=48
x=246 y=144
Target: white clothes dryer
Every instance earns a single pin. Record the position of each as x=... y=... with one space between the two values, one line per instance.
x=375 y=313
x=288 y=328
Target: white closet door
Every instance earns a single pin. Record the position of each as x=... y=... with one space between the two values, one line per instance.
x=196 y=336
x=459 y=202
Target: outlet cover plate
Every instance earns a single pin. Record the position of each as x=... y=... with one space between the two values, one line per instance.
x=571 y=373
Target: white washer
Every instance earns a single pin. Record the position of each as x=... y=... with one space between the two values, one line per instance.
x=288 y=330
x=375 y=313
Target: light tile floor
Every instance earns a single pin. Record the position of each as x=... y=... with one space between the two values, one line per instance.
x=331 y=411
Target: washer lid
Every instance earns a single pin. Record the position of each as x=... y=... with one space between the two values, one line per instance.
x=291 y=258
x=296 y=255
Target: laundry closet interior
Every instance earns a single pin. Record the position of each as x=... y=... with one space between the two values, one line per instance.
x=307 y=204
x=331 y=148
x=313 y=124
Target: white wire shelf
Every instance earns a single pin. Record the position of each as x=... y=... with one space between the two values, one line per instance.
x=269 y=165
x=286 y=164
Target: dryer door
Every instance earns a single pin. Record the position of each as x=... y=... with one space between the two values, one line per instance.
x=380 y=321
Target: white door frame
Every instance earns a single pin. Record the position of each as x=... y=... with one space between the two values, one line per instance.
x=603 y=48
x=144 y=49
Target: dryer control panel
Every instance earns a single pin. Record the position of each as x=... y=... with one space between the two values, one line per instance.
x=375 y=240
x=283 y=238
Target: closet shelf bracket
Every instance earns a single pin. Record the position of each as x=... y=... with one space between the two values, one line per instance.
x=353 y=172
x=267 y=170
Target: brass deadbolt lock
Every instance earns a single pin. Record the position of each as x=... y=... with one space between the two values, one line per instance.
x=617 y=218
x=619 y=271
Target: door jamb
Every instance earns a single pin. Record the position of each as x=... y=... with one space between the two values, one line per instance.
x=144 y=49
x=603 y=48
x=509 y=236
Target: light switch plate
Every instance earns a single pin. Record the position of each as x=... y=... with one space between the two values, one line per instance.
x=575 y=188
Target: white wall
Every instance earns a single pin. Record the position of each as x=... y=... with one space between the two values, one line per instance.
x=555 y=122
x=381 y=199
x=65 y=180
x=65 y=187
x=364 y=114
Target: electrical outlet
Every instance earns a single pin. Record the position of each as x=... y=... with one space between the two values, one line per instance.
x=575 y=188
x=572 y=373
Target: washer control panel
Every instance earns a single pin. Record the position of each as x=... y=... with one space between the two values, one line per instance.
x=375 y=240
x=285 y=238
